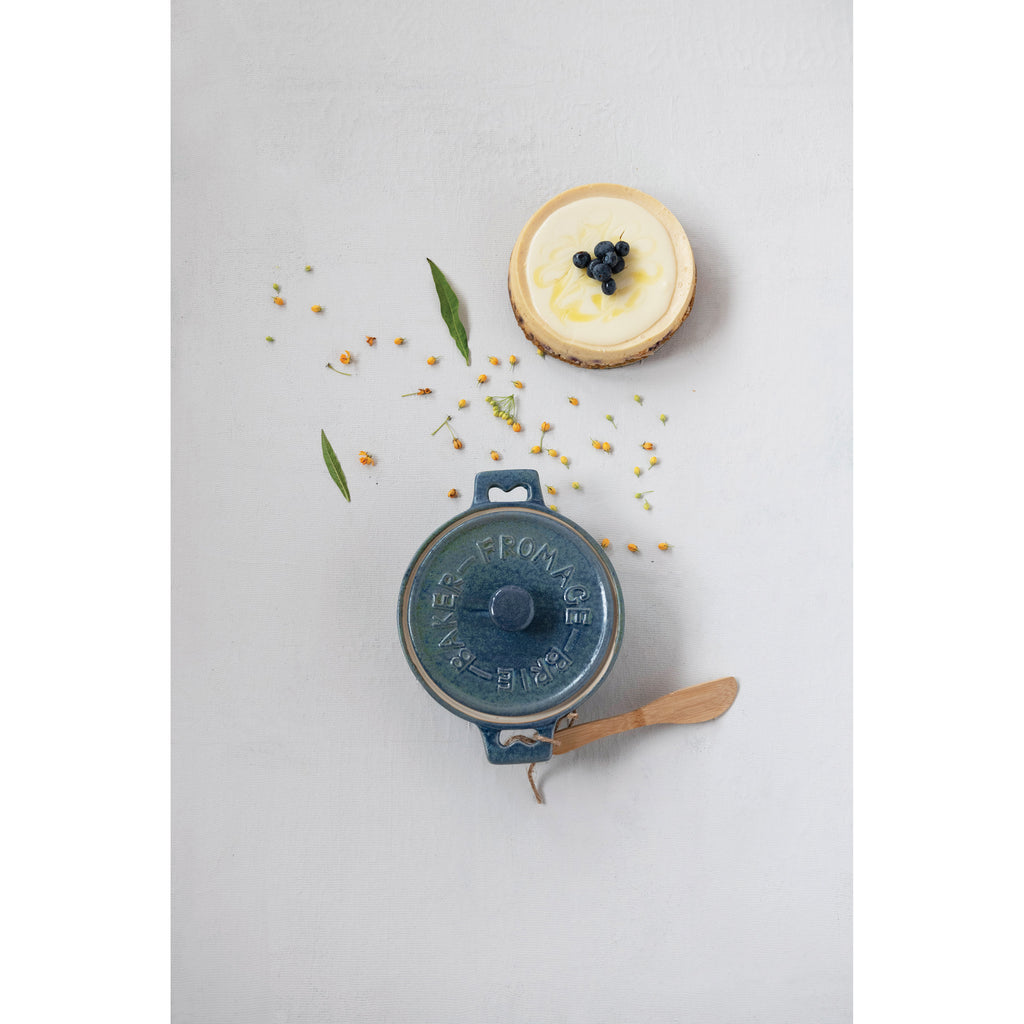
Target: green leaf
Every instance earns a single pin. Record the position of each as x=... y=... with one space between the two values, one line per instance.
x=334 y=466
x=450 y=310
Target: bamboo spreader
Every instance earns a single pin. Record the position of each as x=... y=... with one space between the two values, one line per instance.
x=692 y=704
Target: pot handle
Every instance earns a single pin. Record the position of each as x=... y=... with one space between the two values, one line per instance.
x=507 y=480
x=518 y=751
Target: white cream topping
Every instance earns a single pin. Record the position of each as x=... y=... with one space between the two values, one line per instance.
x=573 y=304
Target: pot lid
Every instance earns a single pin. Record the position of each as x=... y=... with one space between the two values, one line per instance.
x=510 y=613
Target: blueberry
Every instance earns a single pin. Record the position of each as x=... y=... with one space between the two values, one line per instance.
x=601 y=248
x=602 y=272
x=608 y=287
x=581 y=259
x=619 y=265
x=611 y=258
x=622 y=248
x=590 y=272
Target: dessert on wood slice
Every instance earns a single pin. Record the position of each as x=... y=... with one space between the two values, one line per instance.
x=601 y=276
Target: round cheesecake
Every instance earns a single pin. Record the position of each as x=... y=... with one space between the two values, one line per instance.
x=565 y=312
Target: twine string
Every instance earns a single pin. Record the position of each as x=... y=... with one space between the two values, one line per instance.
x=565 y=722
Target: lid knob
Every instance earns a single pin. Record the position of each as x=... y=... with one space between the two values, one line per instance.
x=511 y=608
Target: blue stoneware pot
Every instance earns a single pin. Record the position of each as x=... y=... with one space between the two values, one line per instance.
x=510 y=615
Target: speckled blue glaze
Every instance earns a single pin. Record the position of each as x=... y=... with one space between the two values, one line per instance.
x=510 y=615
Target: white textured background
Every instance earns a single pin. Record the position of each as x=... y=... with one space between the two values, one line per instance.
x=342 y=849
